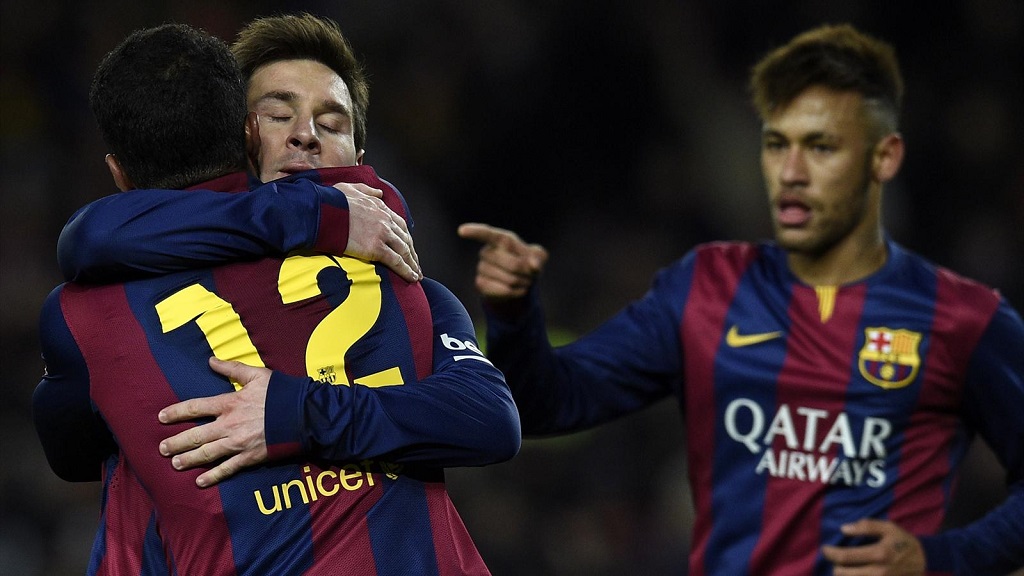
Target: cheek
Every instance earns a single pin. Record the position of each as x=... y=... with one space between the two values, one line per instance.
x=340 y=152
x=272 y=137
x=835 y=180
x=769 y=168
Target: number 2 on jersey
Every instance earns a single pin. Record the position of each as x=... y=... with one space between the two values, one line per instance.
x=297 y=280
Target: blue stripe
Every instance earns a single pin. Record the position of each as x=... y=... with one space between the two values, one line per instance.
x=256 y=539
x=402 y=543
x=760 y=305
x=898 y=296
x=99 y=544
x=279 y=543
x=154 y=560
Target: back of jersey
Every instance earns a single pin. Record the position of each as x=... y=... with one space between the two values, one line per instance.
x=342 y=322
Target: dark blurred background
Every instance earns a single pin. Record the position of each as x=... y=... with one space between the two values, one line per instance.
x=617 y=134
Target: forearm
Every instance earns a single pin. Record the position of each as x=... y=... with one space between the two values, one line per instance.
x=992 y=545
x=462 y=418
x=599 y=377
x=146 y=232
x=461 y=414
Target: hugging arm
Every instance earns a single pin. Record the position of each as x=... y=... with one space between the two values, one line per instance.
x=460 y=415
x=74 y=438
x=142 y=233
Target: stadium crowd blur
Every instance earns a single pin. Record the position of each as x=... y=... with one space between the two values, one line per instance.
x=617 y=134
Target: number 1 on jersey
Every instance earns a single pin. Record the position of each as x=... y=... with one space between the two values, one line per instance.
x=217 y=319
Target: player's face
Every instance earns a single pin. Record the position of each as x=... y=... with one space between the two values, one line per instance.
x=304 y=111
x=816 y=161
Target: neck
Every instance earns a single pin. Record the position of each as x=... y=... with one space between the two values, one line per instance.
x=843 y=264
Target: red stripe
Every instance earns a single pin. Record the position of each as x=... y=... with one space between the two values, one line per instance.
x=817 y=365
x=128 y=510
x=278 y=331
x=129 y=388
x=456 y=553
x=717 y=272
x=332 y=233
x=962 y=311
x=341 y=535
x=419 y=322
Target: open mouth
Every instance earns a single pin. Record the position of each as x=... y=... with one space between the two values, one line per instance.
x=792 y=212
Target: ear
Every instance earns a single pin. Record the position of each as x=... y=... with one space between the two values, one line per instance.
x=121 y=179
x=887 y=157
x=359 y=157
x=252 y=141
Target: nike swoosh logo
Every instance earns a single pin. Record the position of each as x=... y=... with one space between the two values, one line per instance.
x=736 y=340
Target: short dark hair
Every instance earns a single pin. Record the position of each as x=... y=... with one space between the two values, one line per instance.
x=170 y=104
x=837 y=57
x=306 y=37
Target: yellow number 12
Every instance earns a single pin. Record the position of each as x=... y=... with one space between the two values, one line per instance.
x=330 y=340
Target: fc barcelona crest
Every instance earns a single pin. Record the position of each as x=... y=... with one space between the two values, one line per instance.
x=890 y=358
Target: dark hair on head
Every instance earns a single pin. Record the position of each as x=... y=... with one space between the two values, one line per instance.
x=306 y=37
x=837 y=57
x=170 y=104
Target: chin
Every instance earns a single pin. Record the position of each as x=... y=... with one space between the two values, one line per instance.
x=796 y=241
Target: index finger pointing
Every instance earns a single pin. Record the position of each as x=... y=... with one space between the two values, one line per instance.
x=479 y=232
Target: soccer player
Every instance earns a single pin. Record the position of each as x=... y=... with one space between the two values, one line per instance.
x=379 y=383
x=307 y=97
x=830 y=381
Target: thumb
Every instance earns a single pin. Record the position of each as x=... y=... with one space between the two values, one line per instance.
x=234 y=370
x=538 y=256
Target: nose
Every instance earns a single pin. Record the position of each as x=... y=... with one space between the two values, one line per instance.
x=304 y=135
x=794 y=167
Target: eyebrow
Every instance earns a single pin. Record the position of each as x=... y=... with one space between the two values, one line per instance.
x=816 y=136
x=288 y=96
x=282 y=95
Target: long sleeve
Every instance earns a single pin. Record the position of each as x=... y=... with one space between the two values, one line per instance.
x=630 y=361
x=142 y=233
x=460 y=415
x=994 y=398
x=74 y=438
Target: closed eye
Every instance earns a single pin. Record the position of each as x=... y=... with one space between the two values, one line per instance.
x=329 y=129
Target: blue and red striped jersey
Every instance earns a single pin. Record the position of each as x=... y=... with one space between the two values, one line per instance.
x=805 y=407
x=378 y=385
